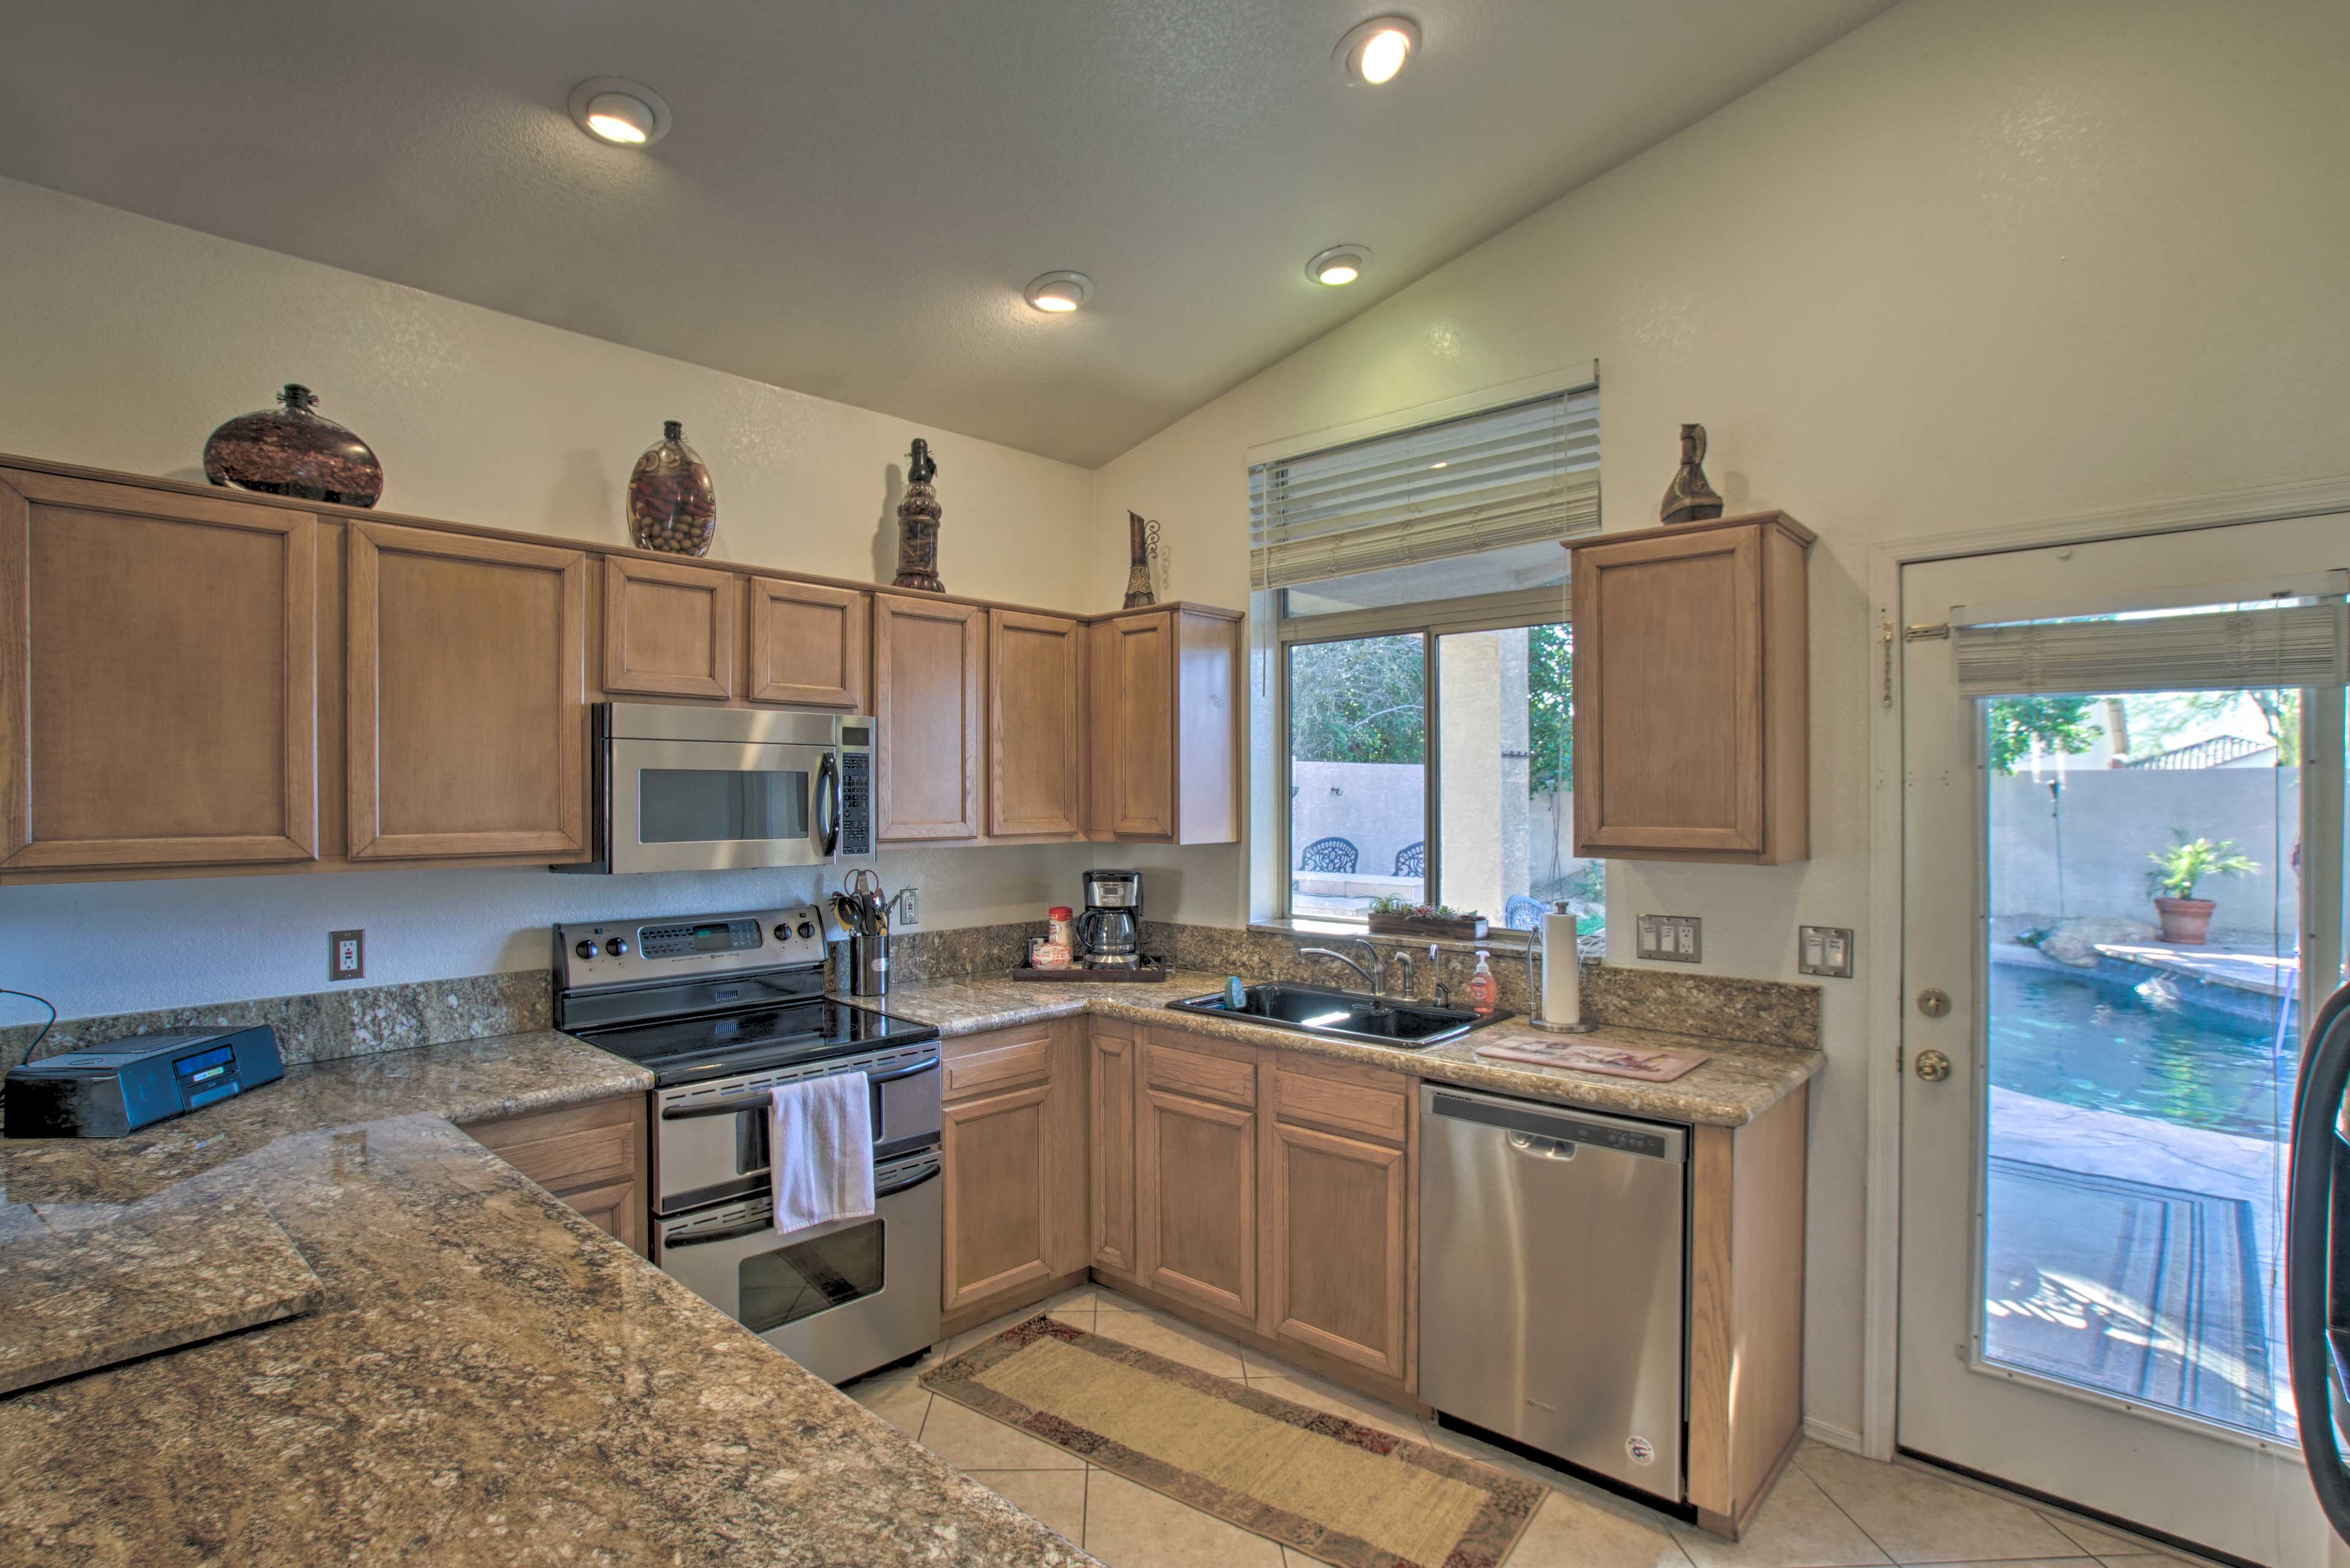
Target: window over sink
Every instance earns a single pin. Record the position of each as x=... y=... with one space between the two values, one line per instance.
x=1416 y=591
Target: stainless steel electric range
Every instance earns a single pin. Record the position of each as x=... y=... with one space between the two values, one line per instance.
x=721 y=1008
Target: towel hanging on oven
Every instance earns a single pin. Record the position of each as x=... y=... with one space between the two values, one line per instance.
x=821 y=1162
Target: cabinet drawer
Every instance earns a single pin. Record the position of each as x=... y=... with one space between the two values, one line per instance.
x=1202 y=1075
x=566 y=1150
x=1377 y=1110
x=999 y=1066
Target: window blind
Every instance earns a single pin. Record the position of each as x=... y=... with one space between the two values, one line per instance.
x=2219 y=647
x=1515 y=475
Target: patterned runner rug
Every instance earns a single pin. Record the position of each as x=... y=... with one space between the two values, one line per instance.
x=1333 y=1489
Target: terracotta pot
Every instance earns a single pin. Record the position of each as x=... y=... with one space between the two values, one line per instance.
x=2187 y=922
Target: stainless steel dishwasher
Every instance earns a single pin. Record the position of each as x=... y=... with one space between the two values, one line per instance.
x=1552 y=1262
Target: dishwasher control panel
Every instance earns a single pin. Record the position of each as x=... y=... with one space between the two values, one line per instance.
x=1621 y=1136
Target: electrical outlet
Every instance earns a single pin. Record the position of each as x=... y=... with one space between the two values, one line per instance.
x=1679 y=939
x=1824 y=950
x=346 y=955
x=909 y=905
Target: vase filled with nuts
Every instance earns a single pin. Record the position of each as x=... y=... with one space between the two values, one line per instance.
x=672 y=504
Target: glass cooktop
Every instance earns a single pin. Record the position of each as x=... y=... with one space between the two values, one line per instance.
x=681 y=1050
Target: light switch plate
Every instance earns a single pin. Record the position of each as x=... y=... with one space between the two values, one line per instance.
x=1824 y=949
x=1674 y=938
x=346 y=955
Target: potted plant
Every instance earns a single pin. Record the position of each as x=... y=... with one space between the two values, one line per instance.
x=2184 y=918
x=1393 y=917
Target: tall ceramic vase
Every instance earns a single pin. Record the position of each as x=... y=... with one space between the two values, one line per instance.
x=1138 y=571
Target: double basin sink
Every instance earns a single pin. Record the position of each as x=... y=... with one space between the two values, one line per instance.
x=1341 y=1014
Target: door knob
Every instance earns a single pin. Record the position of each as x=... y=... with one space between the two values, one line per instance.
x=1934 y=1002
x=1932 y=1066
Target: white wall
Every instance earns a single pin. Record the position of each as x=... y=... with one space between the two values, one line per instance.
x=123 y=341
x=1982 y=261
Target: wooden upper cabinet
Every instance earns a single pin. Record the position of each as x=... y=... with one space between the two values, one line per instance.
x=1035 y=723
x=467 y=731
x=1692 y=723
x=158 y=703
x=809 y=644
x=930 y=695
x=669 y=629
x=1162 y=710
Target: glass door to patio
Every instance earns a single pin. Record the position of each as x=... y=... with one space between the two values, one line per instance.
x=2122 y=893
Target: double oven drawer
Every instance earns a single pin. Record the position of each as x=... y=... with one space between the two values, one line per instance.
x=710 y=1139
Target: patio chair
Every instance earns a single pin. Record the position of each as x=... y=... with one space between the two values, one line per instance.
x=1411 y=860
x=1332 y=855
x=1522 y=913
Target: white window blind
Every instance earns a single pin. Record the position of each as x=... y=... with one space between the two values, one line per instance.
x=2303 y=643
x=1515 y=475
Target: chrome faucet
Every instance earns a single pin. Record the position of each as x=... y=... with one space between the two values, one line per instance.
x=1410 y=987
x=1371 y=972
x=1435 y=967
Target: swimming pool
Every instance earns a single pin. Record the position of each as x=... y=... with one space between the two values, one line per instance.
x=2107 y=1048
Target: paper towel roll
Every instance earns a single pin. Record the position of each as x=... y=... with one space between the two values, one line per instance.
x=1562 y=989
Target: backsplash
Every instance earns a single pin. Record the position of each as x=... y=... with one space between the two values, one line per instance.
x=322 y=1026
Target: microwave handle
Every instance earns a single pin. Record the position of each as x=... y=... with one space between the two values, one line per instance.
x=827 y=802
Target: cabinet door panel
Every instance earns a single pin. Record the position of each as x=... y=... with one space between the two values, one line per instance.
x=158 y=701
x=467 y=731
x=998 y=1197
x=808 y=644
x=1035 y=721
x=1134 y=727
x=1197 y=1193
x=669 y=629
x=1112 y=1153
x=1670 y=694
x=1338 y=1244
x=929 y=694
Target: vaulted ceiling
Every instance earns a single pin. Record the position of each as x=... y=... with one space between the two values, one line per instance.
x=855 y=190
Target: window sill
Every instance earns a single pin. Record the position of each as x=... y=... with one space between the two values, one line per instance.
x=1307 y=929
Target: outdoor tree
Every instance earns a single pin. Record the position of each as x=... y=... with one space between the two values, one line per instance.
x=1549 y=699
x=2063 y=725
x=1362 y=701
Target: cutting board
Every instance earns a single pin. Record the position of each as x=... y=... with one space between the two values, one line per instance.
x=1650 y=1064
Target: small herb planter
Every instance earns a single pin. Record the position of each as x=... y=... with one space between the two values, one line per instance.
x=1459 y=928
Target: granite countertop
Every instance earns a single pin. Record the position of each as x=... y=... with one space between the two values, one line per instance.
x=485 y=1377
x=1739 y=1080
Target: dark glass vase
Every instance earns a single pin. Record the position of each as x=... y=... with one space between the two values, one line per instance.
x=672 y=504
x=292 y=449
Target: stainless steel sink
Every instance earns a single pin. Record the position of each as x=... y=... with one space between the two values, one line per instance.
x=1341 y=1014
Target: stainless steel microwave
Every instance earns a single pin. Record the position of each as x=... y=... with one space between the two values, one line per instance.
x=680 y=788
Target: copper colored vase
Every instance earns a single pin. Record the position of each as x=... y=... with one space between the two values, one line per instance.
x=293 y=449
x=672 y=502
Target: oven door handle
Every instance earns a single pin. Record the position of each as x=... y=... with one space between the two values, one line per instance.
x=761 y=1101
x=827 y=803
x=894 y=1074
x=731 y=1233
x=930 y=1174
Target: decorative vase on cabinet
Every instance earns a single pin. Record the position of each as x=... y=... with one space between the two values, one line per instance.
x=673 y=503
x=293 y=449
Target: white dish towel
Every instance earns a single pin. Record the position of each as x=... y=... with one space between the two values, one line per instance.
x=822 y=1140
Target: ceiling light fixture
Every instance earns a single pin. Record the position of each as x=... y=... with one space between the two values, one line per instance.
x=1376 y=52
x=619 y=112
x=1060 y=291
x=1340 y=264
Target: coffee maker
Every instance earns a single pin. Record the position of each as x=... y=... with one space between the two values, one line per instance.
x=1112 y=926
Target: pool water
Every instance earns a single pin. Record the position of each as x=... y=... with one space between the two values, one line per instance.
x=2108 y=1049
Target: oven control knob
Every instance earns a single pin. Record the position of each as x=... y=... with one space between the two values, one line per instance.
x=784 y=932
x=618 y=947
x=807 y=930
x=586 y=950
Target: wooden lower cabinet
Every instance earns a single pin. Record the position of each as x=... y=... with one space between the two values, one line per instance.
x=1113 y=1058
x=1340 y=1245
x=592 y=1156
x=1015 y=1167
x=1196 y=1172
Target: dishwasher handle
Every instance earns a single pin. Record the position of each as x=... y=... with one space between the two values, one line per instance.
x=1556 y=1132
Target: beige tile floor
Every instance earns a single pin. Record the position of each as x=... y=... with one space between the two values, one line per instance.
x=1831 y=1509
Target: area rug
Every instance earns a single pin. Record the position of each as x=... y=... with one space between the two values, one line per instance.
x=1333 y=1489
x=2147 y=1291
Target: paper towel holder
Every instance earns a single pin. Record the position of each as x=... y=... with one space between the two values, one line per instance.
x=1534 y=991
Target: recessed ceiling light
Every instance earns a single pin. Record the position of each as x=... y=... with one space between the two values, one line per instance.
x=1060 y=291
x=1376 y=52
x=1340 y=264
x=619 y=111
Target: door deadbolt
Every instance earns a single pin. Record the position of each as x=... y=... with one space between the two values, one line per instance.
x=1933 y=1002
x=1932 y=1066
